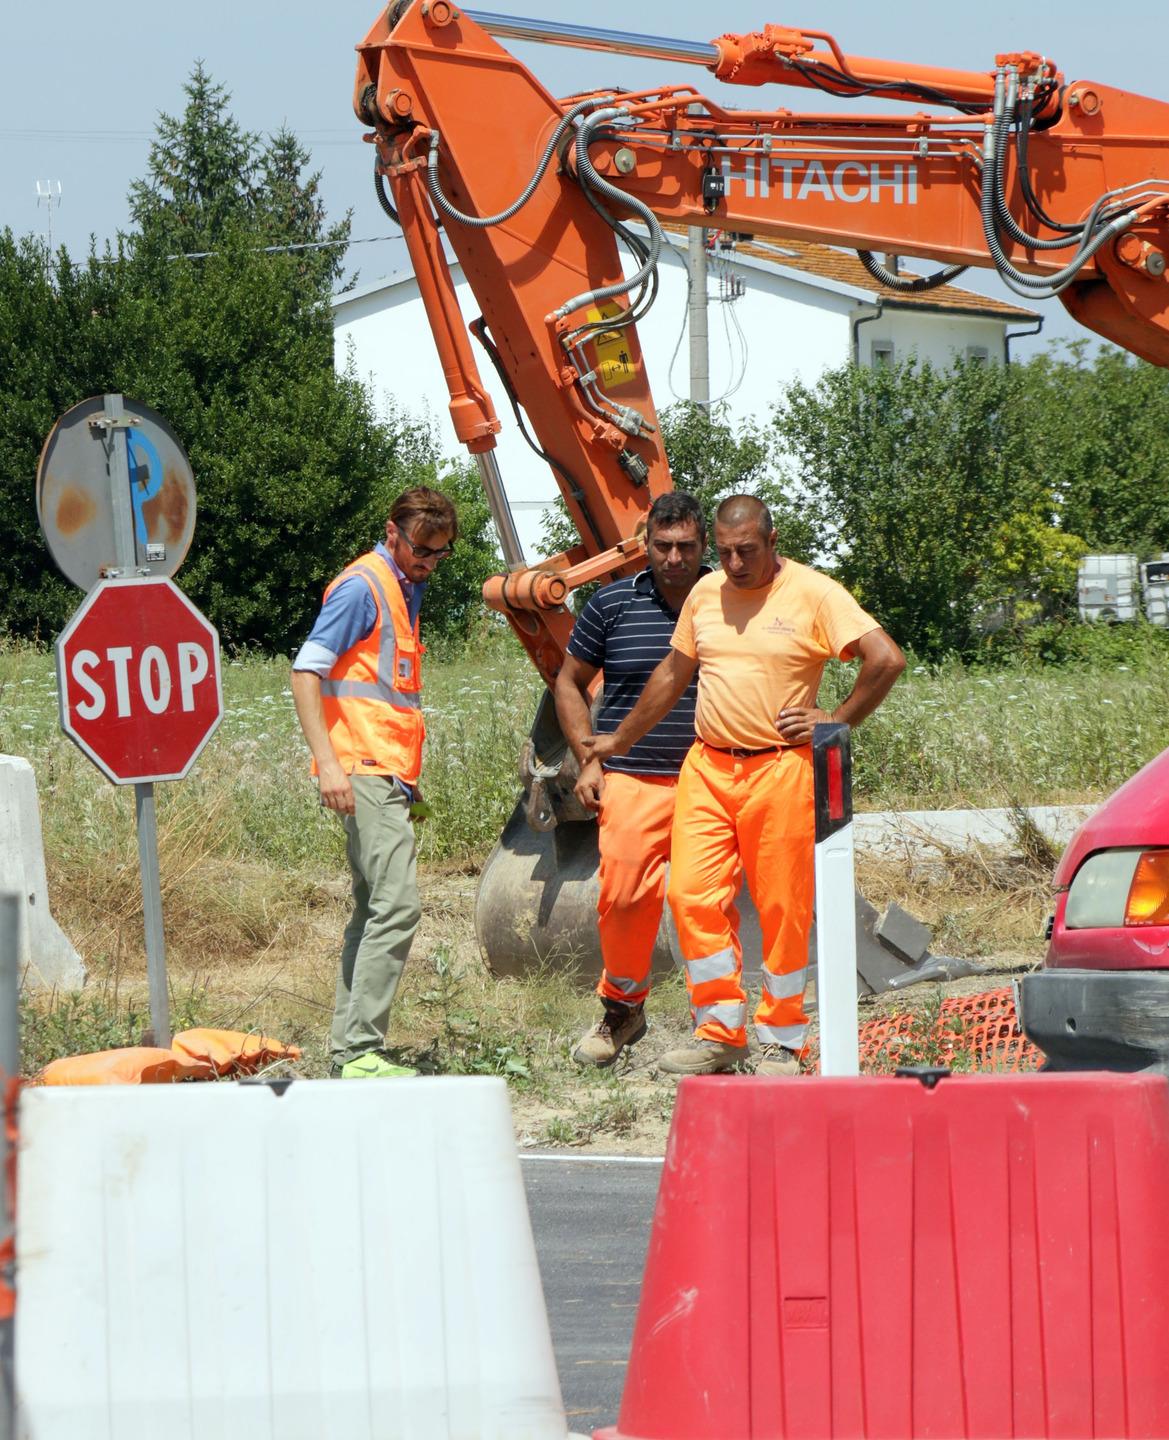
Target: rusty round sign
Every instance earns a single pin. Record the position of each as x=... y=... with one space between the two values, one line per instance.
x=84 y=461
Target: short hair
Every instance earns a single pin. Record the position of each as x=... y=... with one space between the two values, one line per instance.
x=676 y=507
x=426 y=509
x=745 y=510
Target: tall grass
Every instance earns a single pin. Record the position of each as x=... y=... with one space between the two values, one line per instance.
x=948 y=737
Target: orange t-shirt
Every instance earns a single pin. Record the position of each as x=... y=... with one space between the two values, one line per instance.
x=760 y=651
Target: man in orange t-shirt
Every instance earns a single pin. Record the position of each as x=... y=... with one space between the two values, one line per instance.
x=759 y=632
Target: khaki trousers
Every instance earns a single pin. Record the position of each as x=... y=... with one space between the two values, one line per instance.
x=386 y=911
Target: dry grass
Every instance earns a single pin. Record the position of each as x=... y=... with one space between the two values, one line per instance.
x=256 y=895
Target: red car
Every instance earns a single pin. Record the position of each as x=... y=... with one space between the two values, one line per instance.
x=1101 y=1000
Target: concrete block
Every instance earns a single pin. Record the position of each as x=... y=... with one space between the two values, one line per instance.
x=47 y=957
x=877 y=966
x=903 y=933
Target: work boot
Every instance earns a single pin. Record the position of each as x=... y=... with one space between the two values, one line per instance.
x=702 y=1057
x=619 y=1026
x=777 y=1060
x=374 y=1065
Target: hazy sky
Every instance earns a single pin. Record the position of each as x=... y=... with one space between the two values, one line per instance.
x=81 y=86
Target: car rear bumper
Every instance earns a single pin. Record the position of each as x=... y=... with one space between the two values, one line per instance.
x=1098 y=1019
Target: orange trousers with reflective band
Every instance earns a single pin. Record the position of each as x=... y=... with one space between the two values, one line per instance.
x=637 y=815
x=752 y=815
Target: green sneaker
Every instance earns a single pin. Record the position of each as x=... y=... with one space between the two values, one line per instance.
x=373 y=1066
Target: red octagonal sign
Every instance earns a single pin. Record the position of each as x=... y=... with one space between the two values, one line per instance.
x=138 y=680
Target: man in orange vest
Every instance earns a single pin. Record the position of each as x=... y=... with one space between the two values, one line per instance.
x=758 y=632
x=356 y=685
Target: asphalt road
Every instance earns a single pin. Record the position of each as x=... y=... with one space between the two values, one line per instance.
x=591 y=1220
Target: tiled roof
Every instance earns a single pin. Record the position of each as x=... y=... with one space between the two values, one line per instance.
x=843 y=267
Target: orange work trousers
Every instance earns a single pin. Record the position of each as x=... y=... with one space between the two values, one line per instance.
x=637 y=813
x=755 y=815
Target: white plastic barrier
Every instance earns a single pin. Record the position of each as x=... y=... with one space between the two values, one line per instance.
x=345 y=1261
x=47 y=957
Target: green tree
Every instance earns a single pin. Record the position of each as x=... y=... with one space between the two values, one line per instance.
x=914 y=472
x=453 y=608
x=1098 y=432
x=209 y=180
x=295 y=468
x=711 y=458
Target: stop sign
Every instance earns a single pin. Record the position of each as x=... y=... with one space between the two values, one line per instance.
x=138 y=679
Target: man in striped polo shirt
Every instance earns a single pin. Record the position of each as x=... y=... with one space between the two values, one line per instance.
x=625 y=630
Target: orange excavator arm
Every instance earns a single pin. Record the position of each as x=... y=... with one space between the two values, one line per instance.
x=1062 y=189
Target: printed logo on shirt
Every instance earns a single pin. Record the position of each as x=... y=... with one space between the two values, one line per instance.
x=778 y=626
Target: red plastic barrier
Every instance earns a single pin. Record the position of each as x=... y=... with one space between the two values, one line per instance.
x=872 y=1258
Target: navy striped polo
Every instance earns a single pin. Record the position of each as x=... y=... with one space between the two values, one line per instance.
x=625 y=629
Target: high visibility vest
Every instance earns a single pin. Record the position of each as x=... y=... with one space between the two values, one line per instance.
x=372 y=696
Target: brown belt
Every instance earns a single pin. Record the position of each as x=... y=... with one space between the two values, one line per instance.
x=740 y=753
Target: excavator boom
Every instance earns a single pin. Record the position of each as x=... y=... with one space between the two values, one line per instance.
x=553 y=210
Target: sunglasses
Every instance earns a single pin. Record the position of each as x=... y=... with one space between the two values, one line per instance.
x=424 y=552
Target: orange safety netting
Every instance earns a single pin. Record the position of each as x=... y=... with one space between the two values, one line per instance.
x=967 y=1032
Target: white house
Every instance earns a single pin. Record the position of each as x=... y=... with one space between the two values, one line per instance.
x=777 y=312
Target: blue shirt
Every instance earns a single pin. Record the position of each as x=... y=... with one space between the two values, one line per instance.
x=348 y=615
x=625 y=630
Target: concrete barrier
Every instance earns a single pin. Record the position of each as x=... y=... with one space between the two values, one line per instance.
x=47 y=957
x=322 y=1260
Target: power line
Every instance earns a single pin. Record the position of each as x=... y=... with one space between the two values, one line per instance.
x=284 y=249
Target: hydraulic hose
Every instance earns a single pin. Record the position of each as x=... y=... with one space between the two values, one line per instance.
x=1036 y=287
x=382 y=198
x=1023 y=134
x=1005 y=219
x=481 y=222
x=590 y=177
x=912 y=286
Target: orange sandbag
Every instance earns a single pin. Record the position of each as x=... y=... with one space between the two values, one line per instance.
x=135 y=1065
x=231 y=1051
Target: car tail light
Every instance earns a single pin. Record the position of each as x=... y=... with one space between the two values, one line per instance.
x=1148 y=895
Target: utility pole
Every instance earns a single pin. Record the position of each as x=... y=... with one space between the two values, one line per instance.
x=696 y=317
x=48 y=195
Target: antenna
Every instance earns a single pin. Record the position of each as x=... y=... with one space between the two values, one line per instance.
x=48 y=195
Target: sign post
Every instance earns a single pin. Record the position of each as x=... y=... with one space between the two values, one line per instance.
x=137 y=665
x=835 y=901
x=140 y=693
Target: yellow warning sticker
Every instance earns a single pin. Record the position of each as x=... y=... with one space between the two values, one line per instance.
x=614 y=363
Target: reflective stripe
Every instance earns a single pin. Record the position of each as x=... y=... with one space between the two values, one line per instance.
x=385 y=689
x=711 y=967
x=367 y=690
x=387 y=648
x=791 y=1037
x=731 y=1013
x=627 y=987
x=785 y=987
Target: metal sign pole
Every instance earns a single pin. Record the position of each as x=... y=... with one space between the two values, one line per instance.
x=9 y=1069
x=152 y=912
x=835 y=902
x=127 y=562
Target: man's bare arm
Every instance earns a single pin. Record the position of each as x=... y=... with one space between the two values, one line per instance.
x=572 y=703
x=571 y=694
x=881 y=663
x=336 y=791
x=662 y=692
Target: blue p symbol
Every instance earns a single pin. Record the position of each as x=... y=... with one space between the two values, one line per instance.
x=145 y=477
